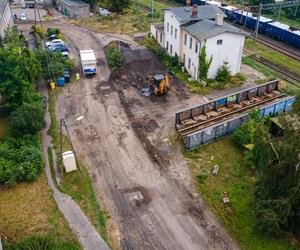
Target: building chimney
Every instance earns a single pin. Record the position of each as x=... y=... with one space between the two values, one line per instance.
x=219 y=19
x=187 y=2
x=194 y=11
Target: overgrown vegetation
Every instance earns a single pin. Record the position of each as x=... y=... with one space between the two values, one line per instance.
x=239 y=181
x=277 y=193
x=116 y=5
x=273 y=56
x=114 y=58
x=128 y=23
x=20 y=156
x=42 y=243
x=204 y=64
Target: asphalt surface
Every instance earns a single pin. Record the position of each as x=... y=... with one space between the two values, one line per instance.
x=77 y=220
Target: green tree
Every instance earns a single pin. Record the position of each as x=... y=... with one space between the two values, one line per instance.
x=53 y=63
x=27 y=119
x=114 y=58
x=278 y=186
x=13 y=38
x=204 y=64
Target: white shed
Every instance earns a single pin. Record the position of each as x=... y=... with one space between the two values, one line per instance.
x=69 y=161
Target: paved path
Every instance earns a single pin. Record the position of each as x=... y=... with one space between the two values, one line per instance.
x=79 y=223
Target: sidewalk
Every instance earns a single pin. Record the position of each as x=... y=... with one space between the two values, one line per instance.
x=78 y=222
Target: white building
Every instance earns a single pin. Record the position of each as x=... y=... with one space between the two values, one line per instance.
x=188 y=29
x=6 y=20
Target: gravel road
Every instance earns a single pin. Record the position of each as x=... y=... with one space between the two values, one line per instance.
x=124 y=142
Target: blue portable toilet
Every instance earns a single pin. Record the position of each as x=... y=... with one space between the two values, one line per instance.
x=60 y=81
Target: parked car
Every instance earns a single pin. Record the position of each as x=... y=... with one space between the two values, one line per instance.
x=55 y=42
x=63 y=49
x=23 y=17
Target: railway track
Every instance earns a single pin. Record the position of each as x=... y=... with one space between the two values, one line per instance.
x=171 y=4
x=292 y=79
x=282 y=49
x=141 y=7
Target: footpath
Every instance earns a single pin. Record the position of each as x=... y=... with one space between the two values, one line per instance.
x=87 y=235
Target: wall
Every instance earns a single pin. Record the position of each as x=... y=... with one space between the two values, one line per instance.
x=74 y=11
x=158 y=34
x=6 y=18
x=190 y=54
x=171 y=19
x=230 y=50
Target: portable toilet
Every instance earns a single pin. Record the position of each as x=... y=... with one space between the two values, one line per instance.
x=60 y=81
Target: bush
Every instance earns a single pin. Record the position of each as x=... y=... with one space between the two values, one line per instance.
x=20 y=159
x=53 y=31
x=223 y=74
x=114 y=58
x=267 y=222
x=27 y=119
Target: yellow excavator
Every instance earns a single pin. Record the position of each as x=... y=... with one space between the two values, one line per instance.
x=159 y=84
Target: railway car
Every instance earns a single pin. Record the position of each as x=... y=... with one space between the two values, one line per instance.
x=276 y=30
x=267 y=26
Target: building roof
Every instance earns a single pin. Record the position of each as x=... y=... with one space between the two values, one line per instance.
x=74 y=3
x=206 y=28
x=183 y=14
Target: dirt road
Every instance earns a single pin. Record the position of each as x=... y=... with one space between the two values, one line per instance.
x=126 y=142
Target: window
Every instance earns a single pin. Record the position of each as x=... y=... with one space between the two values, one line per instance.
x=185 y=38
x=189 y=63
x=171 y=49
x=167 y=46
x=183 y=59
x=160 y=37
x=219 y=42
x=196 y=47
x=167 y=27
x=171 y=30
x=175 y=34
x=191 y=42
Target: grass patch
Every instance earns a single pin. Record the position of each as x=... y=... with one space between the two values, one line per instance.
x=158 y=6
x=130 y=22
x=267 y=72
x=273 y=56
x=234 y=178
x=77 y=184
x=29 y=209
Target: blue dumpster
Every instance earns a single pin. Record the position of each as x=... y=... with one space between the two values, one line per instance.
x=60 y=81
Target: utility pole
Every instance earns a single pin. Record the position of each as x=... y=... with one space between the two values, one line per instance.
x=61 y=169
x=69 y=137
x=257 y=22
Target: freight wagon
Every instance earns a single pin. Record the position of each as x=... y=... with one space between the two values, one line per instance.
x=275 y=30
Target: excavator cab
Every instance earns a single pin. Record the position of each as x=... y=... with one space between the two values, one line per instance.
x=159 y=84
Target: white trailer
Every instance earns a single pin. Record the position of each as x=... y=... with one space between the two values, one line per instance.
x=88 y=62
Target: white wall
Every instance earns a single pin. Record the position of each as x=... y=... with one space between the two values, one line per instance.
x=230 y=50
x=6 y=20
x=170 y=38
x=158 y=35
x=190 y=53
